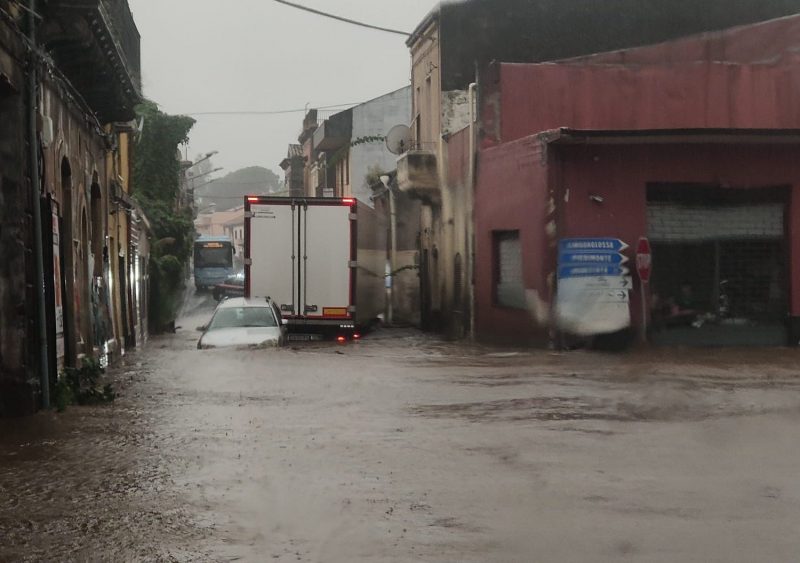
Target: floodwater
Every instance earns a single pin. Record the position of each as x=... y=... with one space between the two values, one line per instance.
x=405 y=448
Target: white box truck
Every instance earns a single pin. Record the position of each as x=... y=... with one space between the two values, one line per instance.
x=321 y=260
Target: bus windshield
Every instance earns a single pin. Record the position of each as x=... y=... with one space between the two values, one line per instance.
x=213 y=255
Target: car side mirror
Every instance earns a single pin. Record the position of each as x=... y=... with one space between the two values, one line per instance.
x=284 y=322
x=202 y=328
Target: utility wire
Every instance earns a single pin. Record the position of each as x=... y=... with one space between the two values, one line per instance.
x=268 y=112
x=340 y=18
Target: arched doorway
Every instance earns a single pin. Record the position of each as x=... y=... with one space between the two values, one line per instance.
x=83 y=282
x=97 y=227
x=71 y=328
x=99 y=283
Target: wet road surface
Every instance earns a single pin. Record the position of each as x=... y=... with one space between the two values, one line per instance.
x=402 y=448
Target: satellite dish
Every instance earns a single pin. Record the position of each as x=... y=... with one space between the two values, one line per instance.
x=398 y=140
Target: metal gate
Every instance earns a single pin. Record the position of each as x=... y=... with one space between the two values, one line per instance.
x=719 y=265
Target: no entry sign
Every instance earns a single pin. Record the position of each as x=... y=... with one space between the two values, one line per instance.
x=644 y=260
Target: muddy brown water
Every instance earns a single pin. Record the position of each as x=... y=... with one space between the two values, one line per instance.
x=379 y=452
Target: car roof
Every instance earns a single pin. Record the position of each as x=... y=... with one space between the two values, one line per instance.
x=244 y=302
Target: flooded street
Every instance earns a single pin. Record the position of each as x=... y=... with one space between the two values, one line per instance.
x=402 y=448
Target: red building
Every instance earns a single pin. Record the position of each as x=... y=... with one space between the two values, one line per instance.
x=691 y=143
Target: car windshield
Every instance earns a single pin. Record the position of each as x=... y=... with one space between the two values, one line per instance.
x=241 y=317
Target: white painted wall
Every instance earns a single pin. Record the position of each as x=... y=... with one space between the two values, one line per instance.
x=455 y=111
x=375 y=118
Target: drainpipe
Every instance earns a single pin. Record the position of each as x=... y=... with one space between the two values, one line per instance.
x=473 y=117
x=392 y=247
x=393 y=257
x=44 y=358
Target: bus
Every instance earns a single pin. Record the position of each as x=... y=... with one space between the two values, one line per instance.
x=213 y=260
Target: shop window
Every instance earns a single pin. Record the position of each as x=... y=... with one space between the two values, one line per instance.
x=508 y=287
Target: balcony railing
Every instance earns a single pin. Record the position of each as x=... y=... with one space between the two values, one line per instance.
x=127 y=36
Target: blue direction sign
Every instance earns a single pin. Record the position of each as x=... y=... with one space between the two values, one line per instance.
x=591 y=245
x=590 y=270
x=590 y=257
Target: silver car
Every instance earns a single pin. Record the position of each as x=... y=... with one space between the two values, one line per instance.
x=244 y=322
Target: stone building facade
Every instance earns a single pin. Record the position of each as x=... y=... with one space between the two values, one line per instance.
x=76 y=73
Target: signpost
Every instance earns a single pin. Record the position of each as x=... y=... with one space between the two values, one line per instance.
x=593 y=286
x=644 y=267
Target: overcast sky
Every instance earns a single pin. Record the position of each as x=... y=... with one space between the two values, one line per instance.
x=259 y=55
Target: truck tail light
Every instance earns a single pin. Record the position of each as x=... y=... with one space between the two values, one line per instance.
x=253 y=199
x=348 y=201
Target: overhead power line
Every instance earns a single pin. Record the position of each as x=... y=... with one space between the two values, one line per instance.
x=268 y=112
x=341 y=19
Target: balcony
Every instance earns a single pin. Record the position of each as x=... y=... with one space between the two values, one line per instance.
x=95 y=43
x=418 y=176
x=334 y=133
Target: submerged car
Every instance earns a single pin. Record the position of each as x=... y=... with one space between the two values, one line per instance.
x=233 y=286
x=243 y=322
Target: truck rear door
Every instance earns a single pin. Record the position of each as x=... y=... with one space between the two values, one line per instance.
x=326 y=275
x=271 y=253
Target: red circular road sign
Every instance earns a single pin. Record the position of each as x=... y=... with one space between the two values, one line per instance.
x=644 y=260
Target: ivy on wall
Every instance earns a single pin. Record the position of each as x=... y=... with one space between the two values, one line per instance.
x=340 y=154
x=156 y=186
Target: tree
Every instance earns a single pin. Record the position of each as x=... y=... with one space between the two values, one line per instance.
x=156 y=186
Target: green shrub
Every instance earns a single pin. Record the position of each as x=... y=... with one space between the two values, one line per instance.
x=82 y=386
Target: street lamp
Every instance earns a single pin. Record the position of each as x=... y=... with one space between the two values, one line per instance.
x=189 y=178
x=206 y=157
x=193 y=177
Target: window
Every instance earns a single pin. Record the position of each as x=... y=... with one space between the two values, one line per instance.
x=276 y=311
x=429 y=133
x=243 y=317
x=508 y=285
